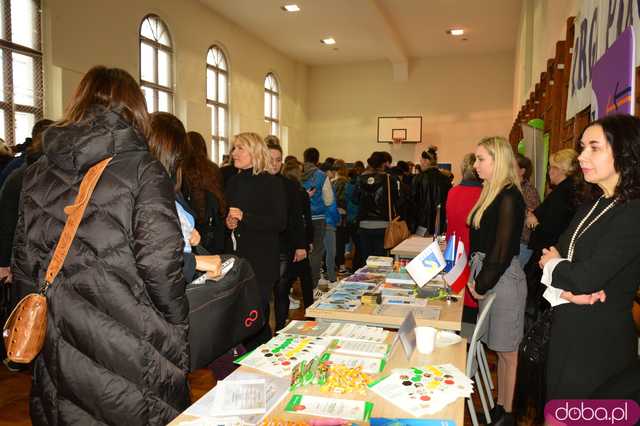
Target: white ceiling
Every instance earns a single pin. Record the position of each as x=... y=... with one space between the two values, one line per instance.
x=367 y=30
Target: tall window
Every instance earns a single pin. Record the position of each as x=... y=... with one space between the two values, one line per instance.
x=156 y=64
x=21 y=73
x=271 y=105
x=218 y=102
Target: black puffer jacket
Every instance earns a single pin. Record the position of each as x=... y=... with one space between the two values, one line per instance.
x=116 y=346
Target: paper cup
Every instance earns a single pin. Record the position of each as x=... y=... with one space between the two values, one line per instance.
x=426 y=339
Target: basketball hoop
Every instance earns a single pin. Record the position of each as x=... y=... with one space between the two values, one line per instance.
x=397 y=141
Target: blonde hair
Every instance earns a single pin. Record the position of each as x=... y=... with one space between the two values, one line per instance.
x=504 y=175
x=566 y=160
x=260 y=156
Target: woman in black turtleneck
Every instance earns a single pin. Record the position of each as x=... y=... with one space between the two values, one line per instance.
x=256 y=216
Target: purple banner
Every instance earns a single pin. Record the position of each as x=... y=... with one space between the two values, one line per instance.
x=591 y=412
x=613 y=78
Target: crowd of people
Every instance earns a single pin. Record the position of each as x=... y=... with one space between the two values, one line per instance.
x=163 y=210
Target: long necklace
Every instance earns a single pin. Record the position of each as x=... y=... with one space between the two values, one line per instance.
x=578 y=232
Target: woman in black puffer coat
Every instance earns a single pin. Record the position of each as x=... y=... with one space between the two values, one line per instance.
x=116 y=346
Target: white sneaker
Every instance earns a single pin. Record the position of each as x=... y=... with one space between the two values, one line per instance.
x=332 y=284
x=293 y=303
x=317 y=294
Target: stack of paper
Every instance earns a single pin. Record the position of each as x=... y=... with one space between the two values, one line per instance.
x=424 y=390
x=375 y=270
x=380 y=261
x=344 y=331
x=275 y=390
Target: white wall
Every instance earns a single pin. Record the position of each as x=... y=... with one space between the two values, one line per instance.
x=542 y=24
x=79 y=34
x=461 y=99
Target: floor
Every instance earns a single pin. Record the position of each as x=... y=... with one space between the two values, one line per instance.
x=14 y=387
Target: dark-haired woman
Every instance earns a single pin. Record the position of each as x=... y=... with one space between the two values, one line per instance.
x=202 y=188
x=429 y=192
x=116 y=344
x=597 y=262
x=168 y=143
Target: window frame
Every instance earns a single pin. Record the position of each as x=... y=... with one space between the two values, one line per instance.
x=272 y=94
x=157 y=47
x=8 y=47
x=217 y=141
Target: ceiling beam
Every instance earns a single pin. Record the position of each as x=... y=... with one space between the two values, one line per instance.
x=393 y=46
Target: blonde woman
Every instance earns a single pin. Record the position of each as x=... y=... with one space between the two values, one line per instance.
x=549 y=220
x=257 y=215
x=496 y=222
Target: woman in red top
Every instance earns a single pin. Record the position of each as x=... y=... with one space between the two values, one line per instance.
x=460 y=200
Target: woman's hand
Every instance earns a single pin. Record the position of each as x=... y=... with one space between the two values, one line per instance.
x=531 y=220
x=235 y=213
x=584 y=299
x=209 y=264
x=194 y=240
x=300 y=254
x=547 y=255
x=472 y=288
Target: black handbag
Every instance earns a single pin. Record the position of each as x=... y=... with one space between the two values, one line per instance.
x=535 y=344
x=224 y=313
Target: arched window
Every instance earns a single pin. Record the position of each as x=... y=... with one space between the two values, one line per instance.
x=21 y=96
x=271 y=104
x=218 y=102
x=156 y=64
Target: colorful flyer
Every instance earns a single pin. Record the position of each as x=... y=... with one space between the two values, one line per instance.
x=423 y=390
x=358 y=411
x=279 y=355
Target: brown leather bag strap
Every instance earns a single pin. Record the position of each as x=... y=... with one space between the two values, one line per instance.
x=74 y=214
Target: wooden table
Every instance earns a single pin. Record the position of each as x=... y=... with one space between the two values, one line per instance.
x=450 y=315
x=411 y=247
x=455 y=354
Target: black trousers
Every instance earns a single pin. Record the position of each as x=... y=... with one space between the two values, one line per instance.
x=302 y=270
x=281 y=293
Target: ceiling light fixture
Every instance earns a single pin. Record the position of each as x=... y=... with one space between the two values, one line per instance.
x=455 y=31
x=329 y=40
x=291 y=8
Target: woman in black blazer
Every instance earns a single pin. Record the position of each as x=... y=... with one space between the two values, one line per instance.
x=256 y=217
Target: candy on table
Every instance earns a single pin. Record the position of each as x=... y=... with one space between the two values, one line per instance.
x=275 y=421
x=343 y=379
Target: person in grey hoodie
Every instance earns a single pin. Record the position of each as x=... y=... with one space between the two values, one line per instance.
x=320 y=192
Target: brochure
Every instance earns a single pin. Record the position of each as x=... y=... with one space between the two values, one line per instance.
x=358 y=411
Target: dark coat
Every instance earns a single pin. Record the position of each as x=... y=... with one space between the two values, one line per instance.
x=371 y=195
x=116 y=345
x=428 y=190
x=554 y=215
x=293 y=237
x=592 y=344
x=262 y=200
x=9 y=204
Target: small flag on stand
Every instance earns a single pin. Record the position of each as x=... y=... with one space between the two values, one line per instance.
x=427 y=264
x=450 y=253
x=459 y=275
